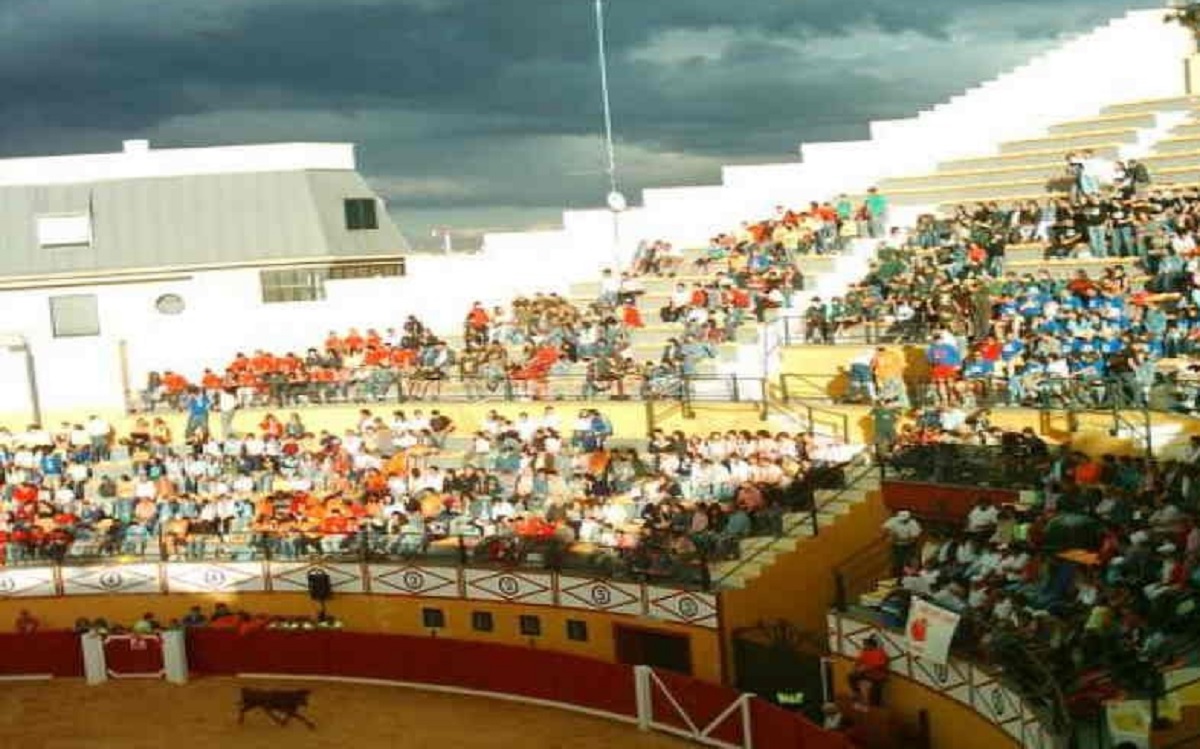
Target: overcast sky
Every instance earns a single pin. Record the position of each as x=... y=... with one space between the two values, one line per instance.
x=481 y=114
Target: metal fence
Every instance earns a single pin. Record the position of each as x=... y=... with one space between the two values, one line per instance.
x=662 y=385
x=1013 y=465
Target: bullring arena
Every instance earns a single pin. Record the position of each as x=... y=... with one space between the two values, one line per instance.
x=895 y=446
x=203 y=713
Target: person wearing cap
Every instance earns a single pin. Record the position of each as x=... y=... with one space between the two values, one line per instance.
x=903 y=531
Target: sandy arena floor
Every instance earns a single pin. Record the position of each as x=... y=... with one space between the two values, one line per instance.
x=68 y=714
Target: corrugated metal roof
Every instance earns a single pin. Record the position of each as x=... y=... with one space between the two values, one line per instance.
x=200 y=220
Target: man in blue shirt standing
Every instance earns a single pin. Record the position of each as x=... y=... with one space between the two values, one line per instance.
x=198 y=406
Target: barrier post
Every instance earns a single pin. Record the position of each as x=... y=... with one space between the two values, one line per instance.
x=641 y=692
x=95 y=670
x=747 y=723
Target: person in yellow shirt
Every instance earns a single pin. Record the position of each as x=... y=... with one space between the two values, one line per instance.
x=888 y=366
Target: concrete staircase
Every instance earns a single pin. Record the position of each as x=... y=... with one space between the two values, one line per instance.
x=759 y=553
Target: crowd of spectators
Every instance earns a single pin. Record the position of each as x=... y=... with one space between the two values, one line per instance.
x=1098 y=573
x=1123 y=333
x=540 y=488
x=546 y=345
x=222 y=617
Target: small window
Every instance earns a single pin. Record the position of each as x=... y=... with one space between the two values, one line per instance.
x=65 y=230
x=360 y=214
x=74 y=316
x=577 y=630
x=351 y=271
x=293 y=285
x=169 y=304
x=481 y=621
x=433 y=618
x=531 y=626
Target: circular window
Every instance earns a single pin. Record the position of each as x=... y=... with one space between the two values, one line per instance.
x=169 y=304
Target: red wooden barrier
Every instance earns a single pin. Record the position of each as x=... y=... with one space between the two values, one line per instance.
x=941 y=502
x=521 y=672
x=56 y=653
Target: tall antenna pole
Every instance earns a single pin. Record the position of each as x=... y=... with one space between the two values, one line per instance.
x=608 y=128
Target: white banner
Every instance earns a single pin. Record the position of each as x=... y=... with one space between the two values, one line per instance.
x=183 y=577
x=27 y=582
x=930 y=629
x=412 y=580
x=600 y=595
x=684 y=606
x=526 y=587
x=111 y=578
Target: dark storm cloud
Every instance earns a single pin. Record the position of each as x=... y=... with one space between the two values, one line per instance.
x=451 y=94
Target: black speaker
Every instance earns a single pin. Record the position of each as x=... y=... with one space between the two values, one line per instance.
x=320 y=588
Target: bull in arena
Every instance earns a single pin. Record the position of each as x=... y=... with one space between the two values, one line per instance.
x=280 y=705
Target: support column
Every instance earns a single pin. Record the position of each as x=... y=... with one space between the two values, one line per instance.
x=95 y=669
x=1191 y=72
x=174 y=651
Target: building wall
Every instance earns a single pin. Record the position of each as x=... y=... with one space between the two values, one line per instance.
x=224 y=314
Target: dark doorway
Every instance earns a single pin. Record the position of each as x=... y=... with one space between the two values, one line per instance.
x=781 y=664
x=651 y=647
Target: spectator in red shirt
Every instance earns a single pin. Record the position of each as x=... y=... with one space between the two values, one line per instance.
x=870 y=669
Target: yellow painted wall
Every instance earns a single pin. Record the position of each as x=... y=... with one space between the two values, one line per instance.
x=385 y=614
x=952 y=725
x=798 y=587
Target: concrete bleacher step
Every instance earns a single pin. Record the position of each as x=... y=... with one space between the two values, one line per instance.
x=757 y=554
x=948 y=206
x=1180 y=175
x=1136 y=120
x=1191 y=127
x=1071 y=141
x=1033 y=252
x=1027 y=158
x=1069 y=267
x=1179 y=144
x=972 y=193
x=1169 y=104
x=1173 y=160
x=949 y=179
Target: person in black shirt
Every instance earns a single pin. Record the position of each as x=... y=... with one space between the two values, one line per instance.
x=1121 y=218
x=1093 y=218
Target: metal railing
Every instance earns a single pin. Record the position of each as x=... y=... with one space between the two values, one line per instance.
x=1010 y=466
x=806 y=502
x=665 y=386
x=798 y=330
x=860 y=572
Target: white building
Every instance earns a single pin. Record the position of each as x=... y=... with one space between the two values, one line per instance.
x=113 y=265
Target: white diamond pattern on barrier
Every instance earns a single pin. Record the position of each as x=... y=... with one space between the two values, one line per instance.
x=952 y=679
x=685 y=606
x=293 y=576
x=994 y=701
x=24 y=582
x=600 y=595
x=1033 y=735
x=215 y=578
x=411 y=580
x=507 y=585
x=114 y=578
